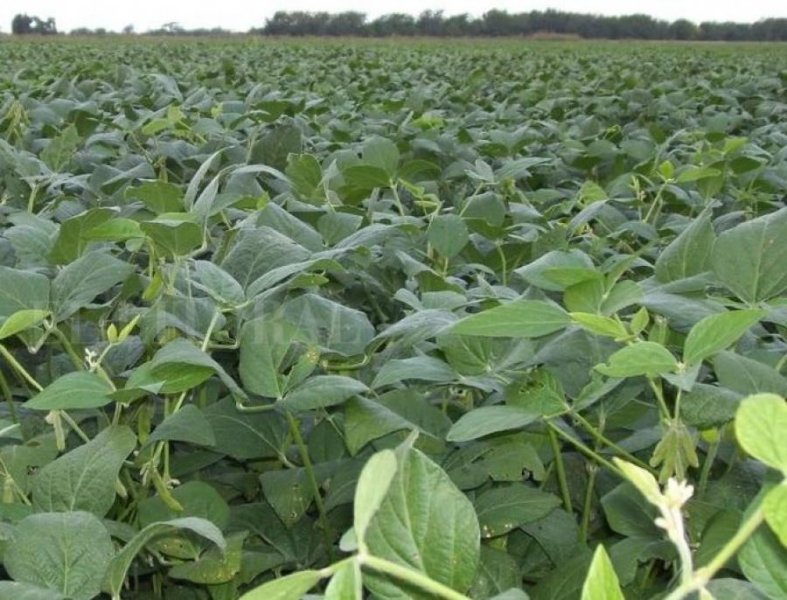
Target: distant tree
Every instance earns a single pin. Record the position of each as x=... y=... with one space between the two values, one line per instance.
x=24 y=24
x=128 y=29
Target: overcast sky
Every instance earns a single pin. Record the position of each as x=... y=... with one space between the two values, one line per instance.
x=240 y=15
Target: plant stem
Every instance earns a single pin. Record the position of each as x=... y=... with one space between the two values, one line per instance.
x=74 y=426
x=700 y=578
x=584 y=526
x=503 y=265
x=410 y=576
x=707 y=464
x=583 y=448
x=295 y=431
x=68 y=347
x=19 y=368
x=560 y=471
x=658 y=392
x=9 y=398
x=600 y=437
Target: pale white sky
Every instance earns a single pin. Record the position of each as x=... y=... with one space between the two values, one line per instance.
x=240 y=15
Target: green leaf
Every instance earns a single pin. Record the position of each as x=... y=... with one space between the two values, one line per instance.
x=764 y=562
x=173 y=234
x=602 y=581
x=749 y=259
x=346 y=583
x=78 y=390
x=21 y=320
x=217 y=565
x=517 y=319
x=425 y=523
x=306 y=175
x=696 y=172
x=246 y=436
x=82 y=280
x=381 y=153
x=22 y=290
x=364 y=178
x=158 y=196
x=716 y=332
x=291 y=587
x=641 y=358
x=71 y=240
x=13 y=590
x=372 y=487
x=746 y=375
x=640 y=479
x=67 y=551
x=266 y=348
x=490 y=419
x=186 y=425
x=689 y=253
x=423 y=368
x=448 y=234
x=220 y=285
x=505 y=508
x=121 y=562
x=61 y=149
x=775 y=508
x=84 y=478
x=117 y=229
x=600 y=325
x=761 y=426
x=322 y=391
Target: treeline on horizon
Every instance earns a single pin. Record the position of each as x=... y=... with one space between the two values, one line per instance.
x=494 y=23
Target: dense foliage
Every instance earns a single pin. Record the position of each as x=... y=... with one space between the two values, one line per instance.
x=495 y=23
x=425 y=321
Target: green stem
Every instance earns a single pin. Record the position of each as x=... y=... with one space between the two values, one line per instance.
x=295 y=431
x=19 y=368
x=600 y=437
x=503 y=265
x=74 y=426
x=584 y=526
x=583 y=448
x=410 y=576
x=397 y=200
x=710 y=457
x=560 y=470
x=700 y=578
x=659 y=393
x=68 y=347
x=9 y=398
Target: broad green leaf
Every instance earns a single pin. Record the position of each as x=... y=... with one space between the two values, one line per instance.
x=66 y=551
x=749 y=259
x=173 y=234
x=505 y=508
x=689 y=253
x=13 y=590
x=518 y=319
x=346 y=583
x=364 y=178
x=117 y=229
x=81 y=281
x=305 y=173
x=640 y=479
x=746 y=375
x=84 y=478
x=382 y=153
x=246 y=436
x=600 y=325
x=21 y=320
x=696 y=172
x=121 y=562
x=258 y=251
x=158 y=196
x=219 y=284
x=77 y=390
x=490 y=419
x=448 y=235
x=423 y=368
x=641 y=358
x=536 y=272
x=602 y=581
x=322 y=391
x=266 y=349
x=717 y=332
x=425 y=523
x=290 y=587
x=71 y=240
x=498 y=572
x=188 y=425
x=775 y=508
x=763 y=561
x=761 y=426
x=22 y=290
x=217 y=565
x=61 y=148
x=373 y=485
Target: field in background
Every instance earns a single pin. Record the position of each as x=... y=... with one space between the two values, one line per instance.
x=234 y=271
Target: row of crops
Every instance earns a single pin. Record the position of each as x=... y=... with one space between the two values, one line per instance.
x=423 y=320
